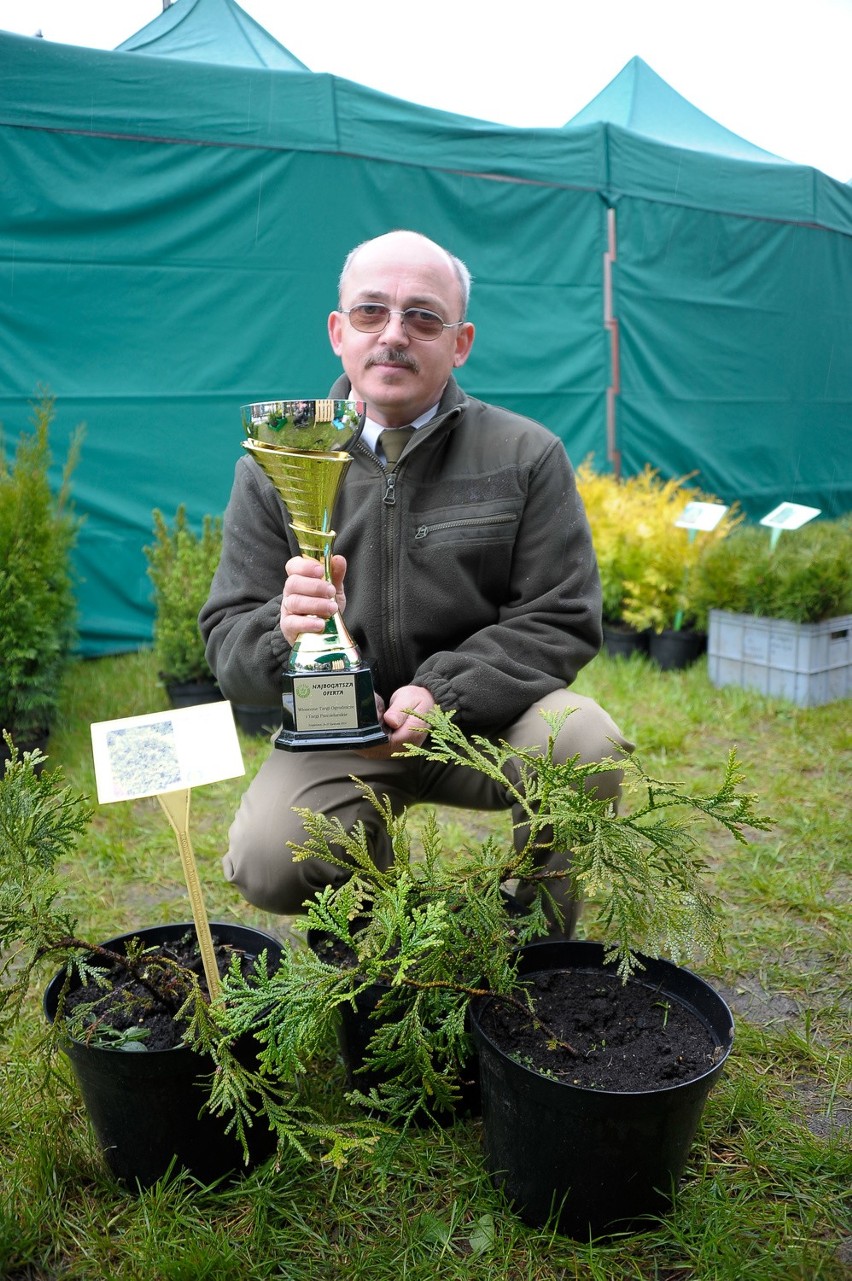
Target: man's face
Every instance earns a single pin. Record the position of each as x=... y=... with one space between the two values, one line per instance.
x=400 y=377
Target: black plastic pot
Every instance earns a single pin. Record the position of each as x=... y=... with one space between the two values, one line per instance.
x=592 y=1161
x=672 y=650
x=191 y=693
x=622 y=641
x=354 y=1032
x=260 y=722
x=145 y=1107
x=357 y=1022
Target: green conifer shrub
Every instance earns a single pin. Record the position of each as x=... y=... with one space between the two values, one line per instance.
x=181 y=565
x=805 y=578
x=38 y=608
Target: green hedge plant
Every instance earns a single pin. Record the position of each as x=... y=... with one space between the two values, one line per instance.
x=181 y=565
x=805 y=578
x=38 y=607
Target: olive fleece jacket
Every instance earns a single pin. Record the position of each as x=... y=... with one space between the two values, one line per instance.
x=471 y=570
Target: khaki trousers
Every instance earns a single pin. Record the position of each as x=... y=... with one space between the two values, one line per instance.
x=259 y=861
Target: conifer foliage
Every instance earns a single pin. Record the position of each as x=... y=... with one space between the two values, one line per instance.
x=38 y=608
x=435 y=930
x=426 y=935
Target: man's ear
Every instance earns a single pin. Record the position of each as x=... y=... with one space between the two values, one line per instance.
x=335 y=332
x=464 y=342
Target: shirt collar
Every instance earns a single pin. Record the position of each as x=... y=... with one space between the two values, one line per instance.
x=371 y=431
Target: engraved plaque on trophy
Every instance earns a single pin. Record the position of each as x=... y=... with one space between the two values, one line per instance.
x=328 y=697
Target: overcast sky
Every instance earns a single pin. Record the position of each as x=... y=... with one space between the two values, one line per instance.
x=777 y=72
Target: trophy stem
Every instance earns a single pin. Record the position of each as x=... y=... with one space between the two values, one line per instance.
x=332 y=649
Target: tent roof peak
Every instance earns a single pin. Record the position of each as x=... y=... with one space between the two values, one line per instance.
x=640 y=100
x=212 y=31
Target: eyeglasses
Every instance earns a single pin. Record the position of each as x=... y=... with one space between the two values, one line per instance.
x=373 y=317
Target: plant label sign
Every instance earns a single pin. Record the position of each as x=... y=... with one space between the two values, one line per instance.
x=165 y=751
x=701 y=516
x=789 y=516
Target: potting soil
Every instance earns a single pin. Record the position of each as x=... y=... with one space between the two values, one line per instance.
x=128 y=1003
x=626 y=1036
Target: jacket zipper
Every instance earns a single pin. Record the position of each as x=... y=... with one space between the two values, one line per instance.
x=424 y=530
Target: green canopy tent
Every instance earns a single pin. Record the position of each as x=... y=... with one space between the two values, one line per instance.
x=172 y=231
x=211 y=31
x=641 y=101
x=727 y=288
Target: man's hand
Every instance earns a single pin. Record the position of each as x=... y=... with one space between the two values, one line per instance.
x=401 y=721
x=308 y=600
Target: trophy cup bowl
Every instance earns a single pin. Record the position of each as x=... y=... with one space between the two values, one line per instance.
x=329 y=703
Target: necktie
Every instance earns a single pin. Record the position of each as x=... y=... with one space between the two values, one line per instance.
x=393 y=442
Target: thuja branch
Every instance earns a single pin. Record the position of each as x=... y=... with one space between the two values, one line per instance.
x=150 y=971
x=505 y=998
x=433 y=927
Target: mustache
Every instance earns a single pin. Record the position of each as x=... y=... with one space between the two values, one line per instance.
x=393 y=356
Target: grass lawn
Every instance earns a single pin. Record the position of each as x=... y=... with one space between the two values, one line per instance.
x=767 y=1191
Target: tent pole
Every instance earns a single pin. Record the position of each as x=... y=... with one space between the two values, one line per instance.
x=613 y=453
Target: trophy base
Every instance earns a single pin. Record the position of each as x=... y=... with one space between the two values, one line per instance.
x=329 y=712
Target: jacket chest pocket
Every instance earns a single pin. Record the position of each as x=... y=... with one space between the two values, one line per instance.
x=464 y=563
x=495 y=528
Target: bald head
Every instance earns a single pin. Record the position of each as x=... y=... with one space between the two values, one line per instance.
x=411 y=245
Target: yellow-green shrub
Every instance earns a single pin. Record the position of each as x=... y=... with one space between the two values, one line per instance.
x=647 y=563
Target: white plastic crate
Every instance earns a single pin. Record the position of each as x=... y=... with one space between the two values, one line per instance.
x=807 y=663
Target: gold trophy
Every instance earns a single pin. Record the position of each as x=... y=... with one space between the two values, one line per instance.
x=328 y=697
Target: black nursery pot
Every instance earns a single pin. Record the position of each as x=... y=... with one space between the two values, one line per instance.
x=191 y=693
x=260 y=722
x=672 y=650
x=145 y=1107
x=357 y=1021
x=622 y=641
x=593 y=1161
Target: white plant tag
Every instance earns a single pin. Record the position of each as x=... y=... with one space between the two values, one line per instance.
x=701 y=516
x=789 y=516
x=165 y=751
